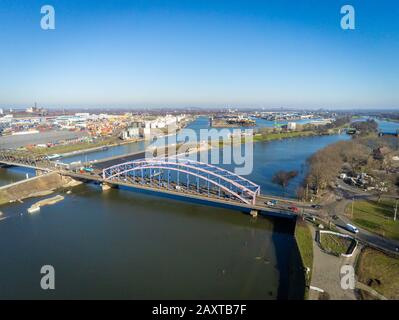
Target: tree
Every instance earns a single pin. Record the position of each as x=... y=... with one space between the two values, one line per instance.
x=282 y=178
x=366 y=127
x=302 y=193
x=355 y=154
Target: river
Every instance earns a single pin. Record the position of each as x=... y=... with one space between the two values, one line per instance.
x=121 y=244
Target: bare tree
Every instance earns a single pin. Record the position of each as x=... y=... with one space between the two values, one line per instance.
x=282 y=178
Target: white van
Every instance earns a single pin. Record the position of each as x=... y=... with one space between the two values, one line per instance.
x=352 y=228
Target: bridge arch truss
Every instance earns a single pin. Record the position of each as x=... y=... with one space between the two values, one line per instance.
x=183 y=175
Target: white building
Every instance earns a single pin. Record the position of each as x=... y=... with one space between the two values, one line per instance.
x=6 y=119
x=130 y=133
x=147 y=132
x=134 y=132
x=291 y=125
x=84 y=115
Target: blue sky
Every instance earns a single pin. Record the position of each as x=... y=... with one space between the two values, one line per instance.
x=148 y=53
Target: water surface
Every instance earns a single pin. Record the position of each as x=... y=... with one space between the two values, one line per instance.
x=120 y=244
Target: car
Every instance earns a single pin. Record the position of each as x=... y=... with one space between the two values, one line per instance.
x=294 y=209
x=310 y=219
x=271 y=203
x=351 y=228
x=316 y=206
x=335 y=217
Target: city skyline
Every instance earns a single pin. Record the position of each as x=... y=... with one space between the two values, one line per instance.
x=210 y=54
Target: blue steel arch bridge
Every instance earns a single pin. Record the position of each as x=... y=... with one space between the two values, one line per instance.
x=188 y=176
x=176 y=176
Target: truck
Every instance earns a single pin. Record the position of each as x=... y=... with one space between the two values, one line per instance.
x=86 y=169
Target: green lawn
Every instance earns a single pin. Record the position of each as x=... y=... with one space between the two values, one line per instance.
x=335 y=244
x=283 y=135
x=380 y=272
x=304 y=240
x=375 y=217
x=277 y=136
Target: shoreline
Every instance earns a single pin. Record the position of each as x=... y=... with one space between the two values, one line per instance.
x=291 y=135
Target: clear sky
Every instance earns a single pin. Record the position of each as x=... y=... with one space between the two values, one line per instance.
x=143 y=53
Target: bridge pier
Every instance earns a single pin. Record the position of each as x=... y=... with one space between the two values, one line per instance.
x=254 y=213
x=105 y=186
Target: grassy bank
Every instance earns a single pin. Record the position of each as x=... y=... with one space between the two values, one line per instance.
x=304 y=241
x=76 y=147
x=334 y=244
x=283 y=135
x=380 y=272
x=375 y=217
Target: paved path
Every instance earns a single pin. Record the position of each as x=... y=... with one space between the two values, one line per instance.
x=326 y=273
x=370 y=290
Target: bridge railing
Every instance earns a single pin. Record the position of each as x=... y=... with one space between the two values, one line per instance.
x=25 y=158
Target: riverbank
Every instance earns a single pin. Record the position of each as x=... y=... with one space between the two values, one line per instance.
x=35 y=187
x=280 y=136
x=286 y=135
x=304 y=241
x=99 y=148
x=283 y=135
x=72 y=149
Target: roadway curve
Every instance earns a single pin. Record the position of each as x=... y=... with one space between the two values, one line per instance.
x=337 y=208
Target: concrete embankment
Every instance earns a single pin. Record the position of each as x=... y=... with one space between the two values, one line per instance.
x=35 y=187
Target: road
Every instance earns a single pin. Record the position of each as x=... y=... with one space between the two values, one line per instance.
x=337 y=209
